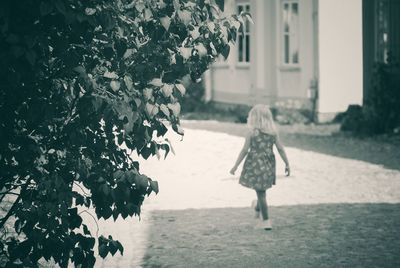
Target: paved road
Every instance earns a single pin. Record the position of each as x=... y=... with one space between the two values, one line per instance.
x=333 y=211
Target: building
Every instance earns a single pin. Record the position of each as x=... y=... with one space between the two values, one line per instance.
x=299 y=54
x=381 y=37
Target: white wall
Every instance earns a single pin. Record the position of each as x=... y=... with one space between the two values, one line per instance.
x=230 y=80
x=294 y=81
x=340 y=54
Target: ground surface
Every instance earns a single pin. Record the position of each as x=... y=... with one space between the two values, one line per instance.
x=340 y=207
x=334 y=235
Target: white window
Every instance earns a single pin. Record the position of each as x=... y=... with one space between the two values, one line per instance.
x=290 y=32
x=243 y=42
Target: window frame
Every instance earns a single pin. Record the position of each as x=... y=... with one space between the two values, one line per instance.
x=291 y=35
x=382 y=30
x=246 y=59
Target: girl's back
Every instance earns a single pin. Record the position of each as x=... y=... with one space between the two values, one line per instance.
x=262 y=142
x=259 y=167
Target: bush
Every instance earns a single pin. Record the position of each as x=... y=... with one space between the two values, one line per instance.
x=193 y=101
x=285 y=116
x=381 y=110
x=238 y=113
x=353 y=119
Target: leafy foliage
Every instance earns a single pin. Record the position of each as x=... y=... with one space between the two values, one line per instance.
x=381 y=110
x=84 y=84
x=194 y=99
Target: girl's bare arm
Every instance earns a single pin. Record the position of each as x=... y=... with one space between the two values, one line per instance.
x=283 y=155
x=242 y=154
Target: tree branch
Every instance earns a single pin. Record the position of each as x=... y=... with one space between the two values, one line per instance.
x=6 y=193
x=95 y=221
x=83 y=191
x=14 y=205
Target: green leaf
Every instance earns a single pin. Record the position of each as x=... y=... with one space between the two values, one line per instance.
x=130 y=176
x=128 y=53
x=115 y=214
x=165 y=22
x=90 y=11
x=178 y=129
x=175 y=108
x=154 y=186
x=181 y=88
x=248 y=17
x=75 y=221
x=80 y=70
x=88 y=201
x=165 y=110
x=106 y=189
x=24 y=248
x=130 y=208
x=151 y=109
x=148 y=15
x=225 y=51
x=128 y=82
x=166 y=148
x=156 y=82
x=107 y=212
x=91 y=242
x=185 y=16
x=142 y=182
x=18 y=226
x=147 y=93
x=186 y=52
x=79 y=200
x=115 y=85
x=137 y=102
x=103 y=250
x=110 y=75
x=221 y=4
x=120 y=248
x=167 y=90
x=112 y=247
x=145 y=152
x=118 y=175
x=85 y=230
x=140 y=7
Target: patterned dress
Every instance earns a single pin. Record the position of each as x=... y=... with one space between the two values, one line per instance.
x=259 y=167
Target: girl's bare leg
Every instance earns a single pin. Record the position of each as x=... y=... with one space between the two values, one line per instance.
x=262 y=204
x=257 y=207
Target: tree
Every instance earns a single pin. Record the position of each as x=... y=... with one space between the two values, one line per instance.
x=83 y=85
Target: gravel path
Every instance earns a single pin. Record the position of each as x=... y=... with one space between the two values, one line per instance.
x=334 y=235
x=324 y=139
x=334 y=210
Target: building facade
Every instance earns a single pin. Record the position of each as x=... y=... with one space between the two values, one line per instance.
x=381 y=34
x=298 y=54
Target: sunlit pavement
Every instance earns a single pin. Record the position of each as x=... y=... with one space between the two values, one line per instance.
x=197 y=177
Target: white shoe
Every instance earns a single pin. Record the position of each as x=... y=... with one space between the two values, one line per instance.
x=266 y=225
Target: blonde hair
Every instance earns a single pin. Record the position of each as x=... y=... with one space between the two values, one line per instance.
x=260 y=118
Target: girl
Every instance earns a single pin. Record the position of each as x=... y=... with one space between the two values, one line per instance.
x=259 y=167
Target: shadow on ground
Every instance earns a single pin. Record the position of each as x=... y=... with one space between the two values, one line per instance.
x=369 y=150
x=334 y=235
